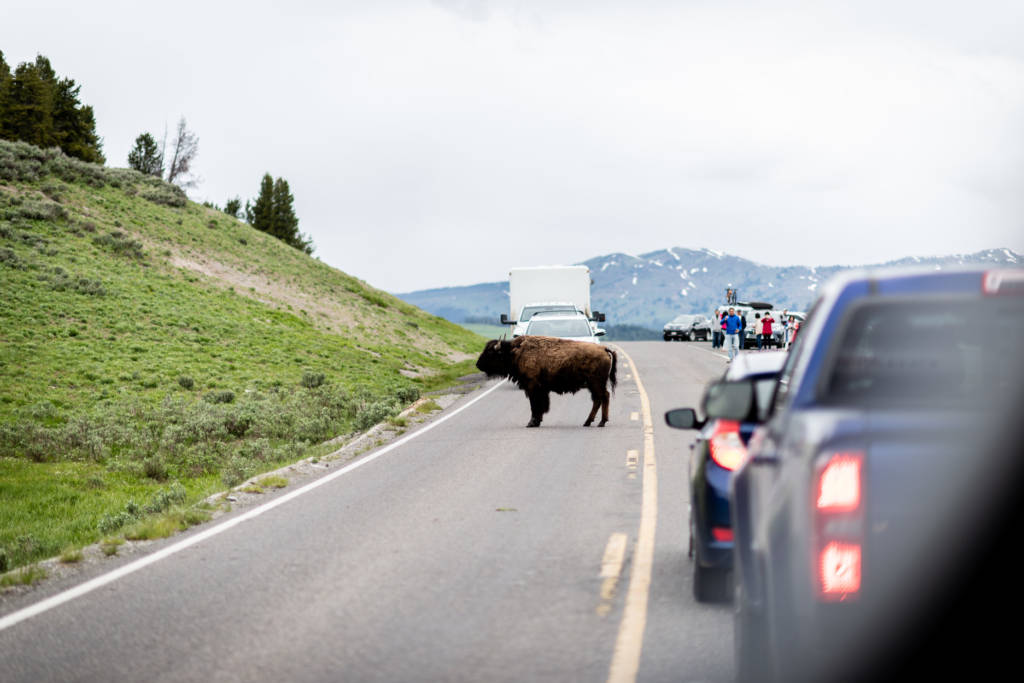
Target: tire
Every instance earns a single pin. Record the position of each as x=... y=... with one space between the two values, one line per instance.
x=667 y=338
x=709 y=585
x=750 y=640
x=688 y=336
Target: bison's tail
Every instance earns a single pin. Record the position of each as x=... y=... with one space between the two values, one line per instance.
x=611 y=375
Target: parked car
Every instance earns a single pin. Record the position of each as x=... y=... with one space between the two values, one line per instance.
x=688 y=327
x=567 y=325
x=718 y=450
x=879 y=463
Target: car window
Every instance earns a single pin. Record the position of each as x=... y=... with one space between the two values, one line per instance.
x=573 y=327
x=530 y=311
x=922 y=353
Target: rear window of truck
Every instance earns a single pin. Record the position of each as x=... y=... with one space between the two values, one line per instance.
x=909 y=353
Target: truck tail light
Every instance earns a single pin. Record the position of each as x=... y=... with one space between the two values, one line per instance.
x=838 y=509
x=726 y=447
x=839 y=483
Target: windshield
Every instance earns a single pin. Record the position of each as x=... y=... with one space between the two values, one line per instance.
x=926 y=353
x=683 y=319
x=568 y=327
x=530 y=311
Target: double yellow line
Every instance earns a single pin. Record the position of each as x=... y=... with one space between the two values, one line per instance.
x=626 y=658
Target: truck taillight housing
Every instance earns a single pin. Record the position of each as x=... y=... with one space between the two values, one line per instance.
x=838 y=509
x=726 y=446
x=839 y=483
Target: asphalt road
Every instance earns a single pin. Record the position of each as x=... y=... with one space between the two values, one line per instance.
x=477 y=551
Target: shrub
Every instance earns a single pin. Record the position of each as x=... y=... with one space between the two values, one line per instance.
x=311 y=380
x=121 y=243
x=186 y=382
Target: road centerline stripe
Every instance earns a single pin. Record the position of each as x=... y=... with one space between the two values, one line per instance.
x=628 y=645
x=81 y=589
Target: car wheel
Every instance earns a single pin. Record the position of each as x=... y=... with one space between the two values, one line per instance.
x=688 y=336
x=750 y=641
x=709 y=585
x=667 y=338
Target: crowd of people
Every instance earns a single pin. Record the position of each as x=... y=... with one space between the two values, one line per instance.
x=728 y=329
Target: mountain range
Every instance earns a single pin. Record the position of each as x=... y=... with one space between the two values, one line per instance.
x=650 y=289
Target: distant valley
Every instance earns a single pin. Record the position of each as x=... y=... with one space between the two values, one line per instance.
x=649 y=289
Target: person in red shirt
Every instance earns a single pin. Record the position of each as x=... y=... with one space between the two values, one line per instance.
x=766 y=331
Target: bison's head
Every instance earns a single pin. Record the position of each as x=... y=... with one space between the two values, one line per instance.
x=496 y=359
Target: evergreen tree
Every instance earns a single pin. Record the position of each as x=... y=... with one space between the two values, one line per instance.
x=39 y=108
x=260 y=214
x=233 y=207
x=272 y=212
x=146 y=156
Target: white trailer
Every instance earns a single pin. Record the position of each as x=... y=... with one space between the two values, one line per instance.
x=548 y=288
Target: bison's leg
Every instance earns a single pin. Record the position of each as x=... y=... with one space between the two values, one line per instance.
x=539 y=404
x=604 y=409
x=596 y=398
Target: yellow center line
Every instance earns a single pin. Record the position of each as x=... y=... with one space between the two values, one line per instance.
x=611 y=568
x=629 y=643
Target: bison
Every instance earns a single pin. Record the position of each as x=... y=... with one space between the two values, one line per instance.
x=539 y=365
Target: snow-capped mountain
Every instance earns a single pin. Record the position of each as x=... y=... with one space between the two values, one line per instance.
x=650 y=289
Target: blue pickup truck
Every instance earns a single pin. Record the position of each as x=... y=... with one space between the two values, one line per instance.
x=879 y=463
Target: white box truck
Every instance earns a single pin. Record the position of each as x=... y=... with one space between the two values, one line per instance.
x=548 y=288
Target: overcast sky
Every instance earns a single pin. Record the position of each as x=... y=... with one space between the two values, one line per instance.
x=440 y=143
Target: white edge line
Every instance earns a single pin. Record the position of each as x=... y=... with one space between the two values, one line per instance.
x=132 y=567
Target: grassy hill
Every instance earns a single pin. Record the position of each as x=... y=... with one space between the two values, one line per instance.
x=153 y=350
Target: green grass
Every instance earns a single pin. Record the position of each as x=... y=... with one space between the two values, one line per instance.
x=147 y=341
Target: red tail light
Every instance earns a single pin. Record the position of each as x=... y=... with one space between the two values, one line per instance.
x=839 y=483
x=839 y=570
x=726 y=447
x=839 y=525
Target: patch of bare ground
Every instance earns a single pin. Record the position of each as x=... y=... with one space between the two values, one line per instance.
x=268 y=291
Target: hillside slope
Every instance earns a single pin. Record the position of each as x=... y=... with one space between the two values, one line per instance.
x=650 y=289
x=147 y=339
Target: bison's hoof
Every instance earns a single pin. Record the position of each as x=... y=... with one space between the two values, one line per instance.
x=588 y=423
x=533 y=423
x=602 y=423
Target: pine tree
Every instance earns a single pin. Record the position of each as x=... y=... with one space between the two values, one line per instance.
x=260 y=214
x=146 y=157
x=273 y=213
x=233 y=207
x=39 y=108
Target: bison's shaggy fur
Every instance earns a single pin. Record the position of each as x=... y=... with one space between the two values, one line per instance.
x=540 y=365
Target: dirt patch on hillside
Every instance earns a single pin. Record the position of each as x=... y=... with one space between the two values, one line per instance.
x=267 y=291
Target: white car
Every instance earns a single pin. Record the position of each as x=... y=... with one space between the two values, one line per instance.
x=564 y=325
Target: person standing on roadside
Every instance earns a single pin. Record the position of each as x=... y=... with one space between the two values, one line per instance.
x=766 y=331
x=757 y=332
x=733 y=327
x=716 y=330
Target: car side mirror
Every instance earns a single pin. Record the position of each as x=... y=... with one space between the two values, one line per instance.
x=599 y=332
x=683 y=418
x=729 y=400
x=598 y=317
x=506 y=321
